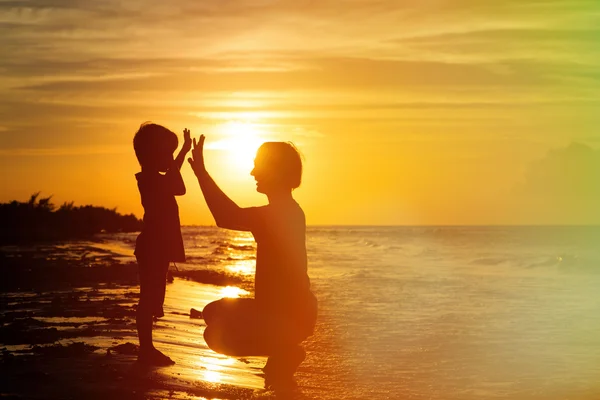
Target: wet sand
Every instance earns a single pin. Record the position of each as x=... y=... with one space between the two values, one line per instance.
x=62 y=339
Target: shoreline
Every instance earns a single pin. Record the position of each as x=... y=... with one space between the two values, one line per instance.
x=67 y=324
x=89 y=351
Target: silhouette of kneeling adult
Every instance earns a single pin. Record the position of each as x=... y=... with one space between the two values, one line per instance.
x=283 y=312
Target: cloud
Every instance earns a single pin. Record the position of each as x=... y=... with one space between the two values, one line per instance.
x=83 y=30
x=472 y=76
x=73 y=46
x=564 y=185
x=64 y=151
x=573 y=171
x=591 y=139
x=325 y=73
x=570 y=48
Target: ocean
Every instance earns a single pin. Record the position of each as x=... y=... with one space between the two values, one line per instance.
x=439 y=312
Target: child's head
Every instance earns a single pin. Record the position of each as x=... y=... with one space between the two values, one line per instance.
x=277 y=166
x=154 y=146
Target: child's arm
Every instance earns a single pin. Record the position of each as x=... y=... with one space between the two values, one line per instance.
x=187 y=146
x=226 y=212
x=174 y=172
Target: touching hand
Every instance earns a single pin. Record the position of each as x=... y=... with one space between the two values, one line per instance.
x=187 y=140
x=197 y=159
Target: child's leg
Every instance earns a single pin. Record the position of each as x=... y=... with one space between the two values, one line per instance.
x=144 y=310
x=152 y=295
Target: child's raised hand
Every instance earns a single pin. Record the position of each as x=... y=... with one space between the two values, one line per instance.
x=197 y=159
x=187 y=140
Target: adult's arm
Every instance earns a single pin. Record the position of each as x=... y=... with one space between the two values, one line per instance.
x=226 y=212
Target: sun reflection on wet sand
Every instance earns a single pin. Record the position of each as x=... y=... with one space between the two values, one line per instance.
x=212 y=376
x=214 y=366
x=182 y=339
x=232 y=291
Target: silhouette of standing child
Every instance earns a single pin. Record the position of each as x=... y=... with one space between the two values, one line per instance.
x=284 y=311
x=160 y=241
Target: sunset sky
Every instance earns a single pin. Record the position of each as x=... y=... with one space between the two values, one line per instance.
x=406 y=112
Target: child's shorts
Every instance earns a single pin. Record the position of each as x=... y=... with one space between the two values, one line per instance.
x=153 y=284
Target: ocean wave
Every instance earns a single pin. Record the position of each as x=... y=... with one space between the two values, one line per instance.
x=212 y=277
x=568 y=259
x=361 y=274
x=201 y=260
x=370 y=243
x=241 y=247
x=225 y=247
x=573 y=263
x=490 y=261
x=240 y=259
x=547 y=262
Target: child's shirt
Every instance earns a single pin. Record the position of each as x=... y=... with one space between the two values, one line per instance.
x=161 y=232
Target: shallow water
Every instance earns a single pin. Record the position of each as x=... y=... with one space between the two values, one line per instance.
x=414 y=312
x=461 y=313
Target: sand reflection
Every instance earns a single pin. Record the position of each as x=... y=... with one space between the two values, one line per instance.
x=181 y=338
x=232 y=291
x=212 y=376
x=213 y=368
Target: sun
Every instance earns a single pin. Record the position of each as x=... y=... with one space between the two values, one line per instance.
x=241 y=140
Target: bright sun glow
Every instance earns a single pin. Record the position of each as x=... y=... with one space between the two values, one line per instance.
x=240 y=140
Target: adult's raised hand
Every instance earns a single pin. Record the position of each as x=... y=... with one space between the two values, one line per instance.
x=197 y=158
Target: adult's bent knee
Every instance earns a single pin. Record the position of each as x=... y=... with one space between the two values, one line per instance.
x=214 y=340
x=210 y=312
x=217 y=309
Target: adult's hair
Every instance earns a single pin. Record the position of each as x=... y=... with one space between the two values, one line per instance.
x=283 y=160
x=151 y=140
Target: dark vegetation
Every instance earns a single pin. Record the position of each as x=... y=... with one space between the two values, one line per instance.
x=40 y=220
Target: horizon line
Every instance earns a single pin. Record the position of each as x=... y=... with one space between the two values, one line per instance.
x=432 y=225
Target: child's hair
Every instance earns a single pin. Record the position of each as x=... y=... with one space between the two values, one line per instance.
x=152 y=139
x=283 y=160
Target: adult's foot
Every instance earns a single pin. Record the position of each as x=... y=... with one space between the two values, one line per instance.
x=280 y=383
x=280 y=369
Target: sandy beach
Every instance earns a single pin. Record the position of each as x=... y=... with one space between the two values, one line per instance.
x=404 y=313
x=67 y=331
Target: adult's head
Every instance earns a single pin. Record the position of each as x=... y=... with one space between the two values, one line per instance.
x=277 y=167
x=154 y=146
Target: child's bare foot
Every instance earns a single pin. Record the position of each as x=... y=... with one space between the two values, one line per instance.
x=154 y=357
